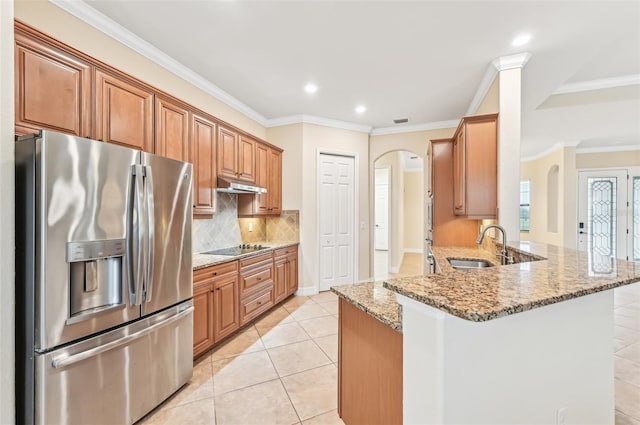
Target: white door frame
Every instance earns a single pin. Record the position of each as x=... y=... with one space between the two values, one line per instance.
x=356 y=209
x=389 y=218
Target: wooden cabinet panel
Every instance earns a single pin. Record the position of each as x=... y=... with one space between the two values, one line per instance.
x=203 y=301
x=227 y=145
x=172 y=130
x=261 y=200
x=475 y=167
x=225 y=306
x=448 y=229
x=52 y=89
x=292 y=273
x=246 y=159
x=280 y=279
x=275 y=181
x=123 y=113
x=256 y=278
x=203 y=143
x=369 y=369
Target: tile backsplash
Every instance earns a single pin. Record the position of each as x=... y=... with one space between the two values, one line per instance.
x=225 y=229
x=222 y=230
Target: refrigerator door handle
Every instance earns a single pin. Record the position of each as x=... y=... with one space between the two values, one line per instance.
x=137 y=253
x=148 y=192
x=68 y=360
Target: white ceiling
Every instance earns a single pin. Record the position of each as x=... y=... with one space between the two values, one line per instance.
x=418 y=60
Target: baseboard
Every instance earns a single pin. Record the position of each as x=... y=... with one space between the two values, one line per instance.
x=413 y=251
x=394 y=269
x=306 y=291
x=367 y=280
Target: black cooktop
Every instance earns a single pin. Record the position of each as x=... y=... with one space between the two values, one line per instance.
x=237 y=250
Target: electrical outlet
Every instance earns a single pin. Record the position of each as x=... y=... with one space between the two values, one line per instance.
x=251 y=227
x=561 y=416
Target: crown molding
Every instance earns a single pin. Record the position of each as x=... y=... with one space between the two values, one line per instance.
x=311 y=119
x=483 y=89
x=504 y=63
x=380 y=131
x=604 y=149
x=603 y=83
x=550 y=150
x=91 y=16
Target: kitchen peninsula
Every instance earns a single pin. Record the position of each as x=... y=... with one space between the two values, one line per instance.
x=530 y=342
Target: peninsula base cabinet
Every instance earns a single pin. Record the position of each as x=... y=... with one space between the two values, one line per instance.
x=369 y=369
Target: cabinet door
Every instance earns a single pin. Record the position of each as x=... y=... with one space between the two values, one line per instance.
x=246 y=159
x=172 y=130
x=52 y=89
x=292 y=273
x=280 y=279
x=275 y=181
x=227 y=146
x=202 y=318
x=459 y=174
x=225 y=306
x=261 y=200
x=203 y=144
x=124 y=113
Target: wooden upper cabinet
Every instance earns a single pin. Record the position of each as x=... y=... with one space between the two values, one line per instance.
x=172 y=130
x=124 y=112
x=268 y=175
x=475 y=167
x=52 y=89
x=246 y=159
x=227 y=145
x=275 y=181
x=203 y=146
x=261 y=200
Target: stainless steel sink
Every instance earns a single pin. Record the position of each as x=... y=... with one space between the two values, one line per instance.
x=468 y=264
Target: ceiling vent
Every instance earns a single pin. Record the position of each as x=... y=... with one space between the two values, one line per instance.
x=401 y=121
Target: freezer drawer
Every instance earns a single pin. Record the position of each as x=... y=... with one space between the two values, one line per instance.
x=117 y=377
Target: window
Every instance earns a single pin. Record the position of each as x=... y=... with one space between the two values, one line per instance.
x=525 y=197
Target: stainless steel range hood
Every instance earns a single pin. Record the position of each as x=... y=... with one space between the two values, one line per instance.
x=232 y=186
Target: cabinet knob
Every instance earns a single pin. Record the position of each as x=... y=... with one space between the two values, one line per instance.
x=259 y=278
x=214 y=274
x=259 y=302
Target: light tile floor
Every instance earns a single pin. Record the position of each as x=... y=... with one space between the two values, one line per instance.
x=412 y=265
x=282 y=369
x=279 y=370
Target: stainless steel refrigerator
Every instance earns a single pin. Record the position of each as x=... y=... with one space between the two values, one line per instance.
x=104 y=315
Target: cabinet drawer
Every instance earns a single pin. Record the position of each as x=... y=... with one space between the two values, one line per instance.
x=255 y=261
x=214 y=272
x=286 y=251
x=256 y=278
x=253 y=306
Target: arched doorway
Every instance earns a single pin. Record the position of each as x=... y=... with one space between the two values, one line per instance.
x=398 y=214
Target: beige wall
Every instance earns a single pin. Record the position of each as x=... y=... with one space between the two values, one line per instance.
x=289 y=138
x=569 y=162
x=491 y=102
x=305 y=142
x=7 y=229
x=59 y=24
x=413 y=211
x=608 y=159
x=396 y=208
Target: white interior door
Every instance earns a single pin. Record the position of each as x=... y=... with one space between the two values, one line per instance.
x=603 y=217
x=381 y=211
x=336 y=211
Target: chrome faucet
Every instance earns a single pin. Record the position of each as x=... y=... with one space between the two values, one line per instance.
x=504 y=258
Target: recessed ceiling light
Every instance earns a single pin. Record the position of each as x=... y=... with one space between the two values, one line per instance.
x=361 y=109
x=521 y=40
x=311 y=88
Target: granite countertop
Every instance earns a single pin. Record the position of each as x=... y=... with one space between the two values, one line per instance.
x=201 y=261
x=374 y=299
x=559 y=274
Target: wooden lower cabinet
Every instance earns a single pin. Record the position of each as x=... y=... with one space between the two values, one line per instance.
x=369 y=369
x=227 y=296
x=215 y=303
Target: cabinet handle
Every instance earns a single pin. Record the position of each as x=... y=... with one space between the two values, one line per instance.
x=259 y=302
